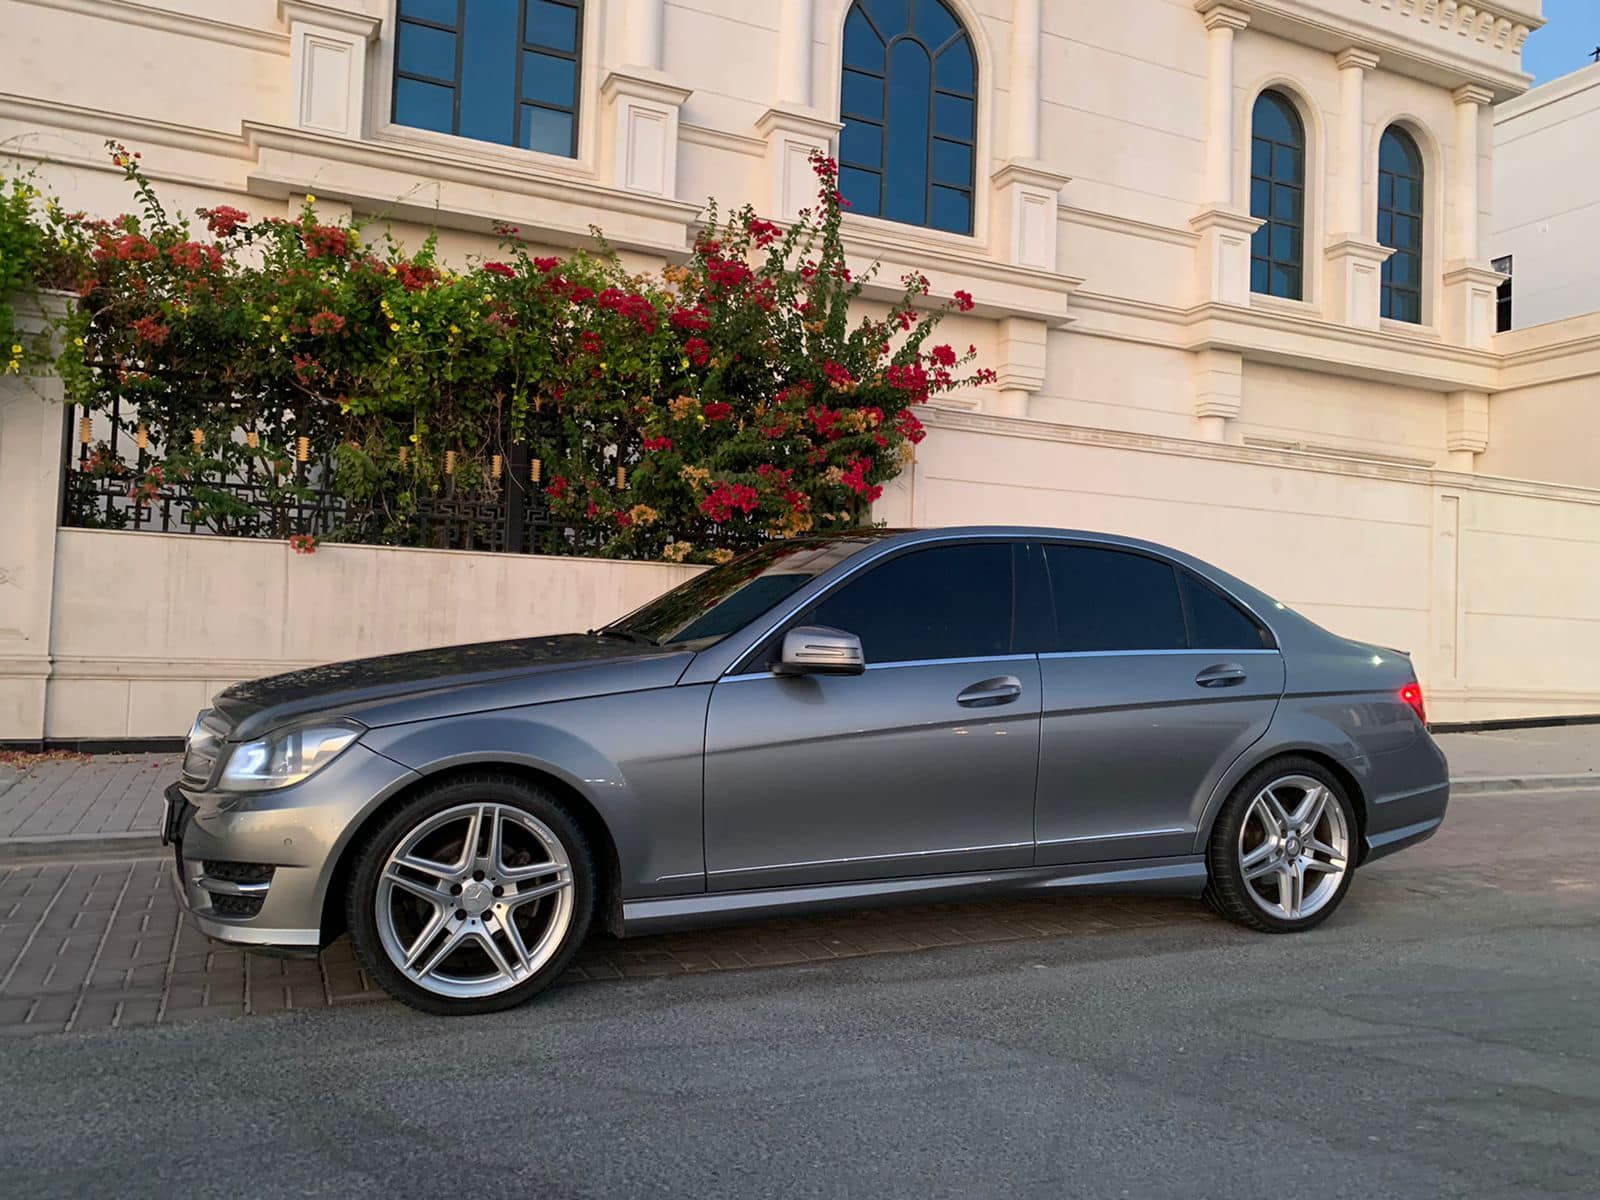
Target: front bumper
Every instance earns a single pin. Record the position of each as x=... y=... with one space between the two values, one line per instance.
x=301 y=832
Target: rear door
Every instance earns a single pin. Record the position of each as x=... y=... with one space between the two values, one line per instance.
x=1154 y=683
x=923 y=764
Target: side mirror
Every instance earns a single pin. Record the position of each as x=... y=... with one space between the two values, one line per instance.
x=818 y=650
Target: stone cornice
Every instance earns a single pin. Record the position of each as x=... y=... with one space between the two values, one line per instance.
x=645 y=85
x=360 y=24
x=1356 y=56
x=1030 y=172
x=208 y=29
x=1472 y=93
x=1218 y=14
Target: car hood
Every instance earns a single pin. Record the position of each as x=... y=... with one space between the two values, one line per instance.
x=483 y=675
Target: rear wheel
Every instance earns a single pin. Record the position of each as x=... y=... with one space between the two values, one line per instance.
x=1281 y=854
x=472 y=896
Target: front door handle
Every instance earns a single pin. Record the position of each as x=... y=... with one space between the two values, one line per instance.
x=1221 y=675
x=1002 y=689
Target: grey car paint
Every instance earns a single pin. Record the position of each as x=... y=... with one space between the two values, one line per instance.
x=726 y=790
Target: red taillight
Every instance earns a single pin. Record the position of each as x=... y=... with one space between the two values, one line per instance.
x=1412 y=695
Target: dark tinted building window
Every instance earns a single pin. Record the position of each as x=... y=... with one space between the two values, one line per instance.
x=1112 y=600
x=1400 y=224
x=501 y=71
x=1278 y=197
x=1502 y=295
x=1217 y=623
x=948 y=602
x=909 y=103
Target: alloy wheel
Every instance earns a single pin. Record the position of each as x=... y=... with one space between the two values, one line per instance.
x=1294 y=847
x=474 y=900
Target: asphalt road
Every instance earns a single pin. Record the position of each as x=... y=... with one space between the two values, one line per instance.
x=1439 y=1037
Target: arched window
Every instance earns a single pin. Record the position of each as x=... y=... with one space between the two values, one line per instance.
x=909 y=105
x=1400 y=224
x=1278 y=197
x=503 y=72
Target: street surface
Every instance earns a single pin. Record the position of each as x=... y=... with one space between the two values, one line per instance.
x=1438 y=1037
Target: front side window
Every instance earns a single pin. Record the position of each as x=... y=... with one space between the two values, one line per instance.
x=909 y=105
x=1400 y=224
x=1278 y=197
x=945 y=602
x=503 y=71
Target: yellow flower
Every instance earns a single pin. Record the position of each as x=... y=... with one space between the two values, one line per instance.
x=721 y=556
x=77 y=341
x=265 y=319
x=310 y=199
x=415 y=438
x=394 y=327
x=454 y=329
x=283 y=337
x=16 y=350
x=274 y=308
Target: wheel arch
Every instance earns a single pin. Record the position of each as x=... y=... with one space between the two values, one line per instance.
x=1250 y=763
x=602 y=844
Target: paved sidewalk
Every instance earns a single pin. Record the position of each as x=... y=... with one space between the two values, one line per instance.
x=112 y=802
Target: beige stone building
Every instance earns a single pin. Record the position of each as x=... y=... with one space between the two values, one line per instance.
x=1228 y=257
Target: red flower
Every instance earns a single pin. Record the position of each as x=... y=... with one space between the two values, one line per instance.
x=500 y=268
x=910 y=428
x=414 y=278
x=657 y=443
x=720 y=503
x=195 y=256
x=984 y=375
x=691 y=320
x=909 y=378
x=945 y=356
x=557 y=487
x=328 y=241
x=729 y=274
x=698 y=351
x=592 y=511
x=624 y=519
x=580 y=295
x=964 y=301
x=591 y=342
x=545 y=265
x=764 y=232
x=837 y=375
x=303 y=543
x=827 y=422
x=855 y=478
x=150 y=329
x=717 y=410
x=306 y=369
x=224 y=220
x=326 y=324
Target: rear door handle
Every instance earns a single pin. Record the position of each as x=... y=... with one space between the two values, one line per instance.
x=1002 y=689
x=1221 y=675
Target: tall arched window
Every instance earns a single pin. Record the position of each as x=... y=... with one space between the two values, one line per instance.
x=1278 y=197
x=501 y=72
x=909 y=105
x=1400 y=224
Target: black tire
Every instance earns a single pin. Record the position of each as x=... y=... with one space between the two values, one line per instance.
x=490 y=787
x=1227 y=891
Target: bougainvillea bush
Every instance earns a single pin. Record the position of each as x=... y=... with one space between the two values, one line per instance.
x=686 y=414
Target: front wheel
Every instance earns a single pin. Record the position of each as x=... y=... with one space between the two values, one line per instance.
x=1281 y=854
x=472 y=896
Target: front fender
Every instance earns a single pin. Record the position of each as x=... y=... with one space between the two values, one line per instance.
x=635 y=757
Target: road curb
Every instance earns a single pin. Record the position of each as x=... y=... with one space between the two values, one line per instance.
x=79 y=847
x=1524 y=783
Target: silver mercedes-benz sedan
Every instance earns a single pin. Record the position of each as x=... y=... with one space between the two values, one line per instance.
x=826 y=722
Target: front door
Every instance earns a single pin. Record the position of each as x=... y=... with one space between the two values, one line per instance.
x=1154 y=684
x=923 y=764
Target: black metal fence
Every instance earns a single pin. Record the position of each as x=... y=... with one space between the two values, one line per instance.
x=117 y=478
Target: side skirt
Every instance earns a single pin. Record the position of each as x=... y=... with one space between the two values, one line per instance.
x=1184 y=876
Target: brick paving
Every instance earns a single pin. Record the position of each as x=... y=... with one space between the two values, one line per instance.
x=110 y=794
x=95 y=945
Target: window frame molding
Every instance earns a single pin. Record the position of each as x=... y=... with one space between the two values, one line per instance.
x=1433 y=213
x=831 y=17
x=1315 y=191
x=584 y=164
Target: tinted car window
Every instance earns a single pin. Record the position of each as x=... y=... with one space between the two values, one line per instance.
x=1112 y=600
x=947 y=602
x=1217 y=623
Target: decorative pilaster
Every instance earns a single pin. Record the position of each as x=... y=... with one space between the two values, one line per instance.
x=1466 y=425
x=641 y=131
x=792 y=136
x=1218 y=381
x=1024 y=80
x=1028 y=196
x=795 y=27
x=1468 y=308
x=642 y=37
x=1222 y=263
x=31 y=466
x=328 y=66
x=1355 y=259
x=1020 y=345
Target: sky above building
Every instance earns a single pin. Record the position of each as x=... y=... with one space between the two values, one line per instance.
x=1566 y=43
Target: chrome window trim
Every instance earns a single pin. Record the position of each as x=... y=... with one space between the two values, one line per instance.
x=1113 y=837
x=1142 y=653
x=909 y=662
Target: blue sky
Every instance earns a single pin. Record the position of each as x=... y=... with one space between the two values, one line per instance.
x=1564 y=44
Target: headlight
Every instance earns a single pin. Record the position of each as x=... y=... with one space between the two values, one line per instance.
x=285 y=757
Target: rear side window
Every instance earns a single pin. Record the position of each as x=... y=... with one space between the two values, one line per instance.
x=1113 y=600
x=1217 y=623
x=947 y=602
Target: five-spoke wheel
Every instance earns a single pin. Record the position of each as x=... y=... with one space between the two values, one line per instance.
x=1281 y=850
x=472 y=896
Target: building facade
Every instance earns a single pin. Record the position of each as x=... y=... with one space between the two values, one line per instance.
x=1547 y=201
x=1228 y=259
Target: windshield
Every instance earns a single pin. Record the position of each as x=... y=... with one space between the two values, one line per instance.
x=725 y=599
